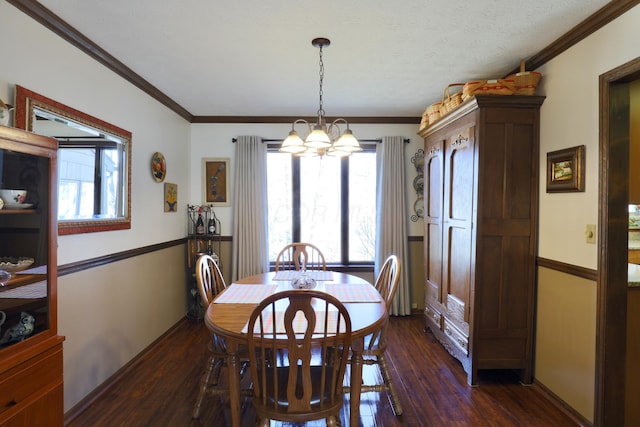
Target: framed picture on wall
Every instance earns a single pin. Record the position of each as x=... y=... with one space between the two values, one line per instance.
x=215 y=185
x=565 y=170
x=170 y=197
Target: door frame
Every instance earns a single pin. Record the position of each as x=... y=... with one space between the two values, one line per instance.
x=612 y=287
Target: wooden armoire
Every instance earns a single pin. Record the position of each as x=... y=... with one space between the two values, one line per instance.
x=480 y=238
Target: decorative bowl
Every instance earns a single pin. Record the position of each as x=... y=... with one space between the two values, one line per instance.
x=303 y=281
x=4 y=278
x=13 y=265
x=13 y=197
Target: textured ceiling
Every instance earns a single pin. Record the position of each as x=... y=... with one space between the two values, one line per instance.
x=255 y=58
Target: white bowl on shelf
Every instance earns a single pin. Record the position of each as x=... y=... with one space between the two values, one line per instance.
x=13 y=197
x=15 y=264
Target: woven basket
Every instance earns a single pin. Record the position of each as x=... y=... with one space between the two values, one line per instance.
x=434 y=112
x=488 y=87
x=425 y=121
x=525 y=82
x=451 y=102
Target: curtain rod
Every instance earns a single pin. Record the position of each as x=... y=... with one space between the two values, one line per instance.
x=406 y=140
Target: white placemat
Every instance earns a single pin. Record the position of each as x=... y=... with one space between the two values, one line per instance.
x=245 y=294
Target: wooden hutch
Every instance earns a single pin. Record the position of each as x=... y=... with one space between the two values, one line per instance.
x=31 y=382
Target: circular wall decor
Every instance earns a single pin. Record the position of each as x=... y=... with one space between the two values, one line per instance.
x=158 y=167
x=418 y=208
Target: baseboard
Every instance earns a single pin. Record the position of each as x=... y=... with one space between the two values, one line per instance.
x=562 y=405
x=96 y=393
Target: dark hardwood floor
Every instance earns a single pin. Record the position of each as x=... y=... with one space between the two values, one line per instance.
x=162 y=389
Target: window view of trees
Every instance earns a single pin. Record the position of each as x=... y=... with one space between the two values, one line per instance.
x=89 y=182
x=327 y=201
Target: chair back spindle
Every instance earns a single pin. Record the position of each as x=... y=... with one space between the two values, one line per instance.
x=300 y=256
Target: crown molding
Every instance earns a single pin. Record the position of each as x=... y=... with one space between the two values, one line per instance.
x=290 y=119
x=593 y=23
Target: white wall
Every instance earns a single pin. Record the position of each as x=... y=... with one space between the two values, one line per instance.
x=569 y=117
x=105 y=313
x=215 y=140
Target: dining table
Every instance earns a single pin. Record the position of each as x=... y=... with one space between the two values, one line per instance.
x=228 y=315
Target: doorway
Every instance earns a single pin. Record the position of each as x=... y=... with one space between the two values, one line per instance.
x=613 y=250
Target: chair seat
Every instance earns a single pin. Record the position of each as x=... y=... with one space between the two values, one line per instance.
x=315 y=399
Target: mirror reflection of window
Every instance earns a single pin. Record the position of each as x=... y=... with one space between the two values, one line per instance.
x=90 y=168
x=94 y=167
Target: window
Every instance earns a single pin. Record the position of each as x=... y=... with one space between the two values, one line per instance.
x=327 y=201
x=89 y=178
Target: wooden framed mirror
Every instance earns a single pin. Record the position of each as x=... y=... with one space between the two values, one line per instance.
x=94 y=163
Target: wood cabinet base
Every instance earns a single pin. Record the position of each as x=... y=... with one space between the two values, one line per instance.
x=31 y=392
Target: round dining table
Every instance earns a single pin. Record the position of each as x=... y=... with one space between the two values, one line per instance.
x=229 y=312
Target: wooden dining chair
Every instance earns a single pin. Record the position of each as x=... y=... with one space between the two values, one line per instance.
x=312 y=338
x=300 y=256
x=375 y=344
x=210 y=283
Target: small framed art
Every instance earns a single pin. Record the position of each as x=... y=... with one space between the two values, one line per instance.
x=215 y=185
x=565 y=170
x=170 y=197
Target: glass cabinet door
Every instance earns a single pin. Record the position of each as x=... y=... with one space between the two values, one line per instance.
x=25 y=242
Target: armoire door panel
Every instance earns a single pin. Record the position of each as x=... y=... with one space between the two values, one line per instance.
x=489 y=264
x=433 y=255
x=433 y=193
x=517 y=277
x=457 y=277
x=433 y=186
x=459 y=176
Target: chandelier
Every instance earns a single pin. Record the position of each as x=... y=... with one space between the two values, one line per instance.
x=321 y=139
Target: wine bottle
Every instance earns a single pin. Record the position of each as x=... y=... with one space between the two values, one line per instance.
x=211 y=227
x=199 y=224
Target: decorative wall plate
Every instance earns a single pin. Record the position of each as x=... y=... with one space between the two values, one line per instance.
x=418 y=208
x=418 y=184
x=158 y=167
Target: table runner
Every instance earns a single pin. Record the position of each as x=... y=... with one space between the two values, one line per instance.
x=317 y=275
x=245 y=294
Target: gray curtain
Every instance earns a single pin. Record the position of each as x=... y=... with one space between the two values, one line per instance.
x=391 y=217
x=250 y=253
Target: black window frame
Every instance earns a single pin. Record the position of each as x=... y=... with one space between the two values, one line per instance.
x=345 y=264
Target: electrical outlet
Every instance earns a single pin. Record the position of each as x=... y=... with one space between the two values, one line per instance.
x=590 y=233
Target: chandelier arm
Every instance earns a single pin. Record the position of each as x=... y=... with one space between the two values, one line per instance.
x=293 y=125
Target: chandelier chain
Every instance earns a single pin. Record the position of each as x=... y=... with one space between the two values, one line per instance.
x=321 y=110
